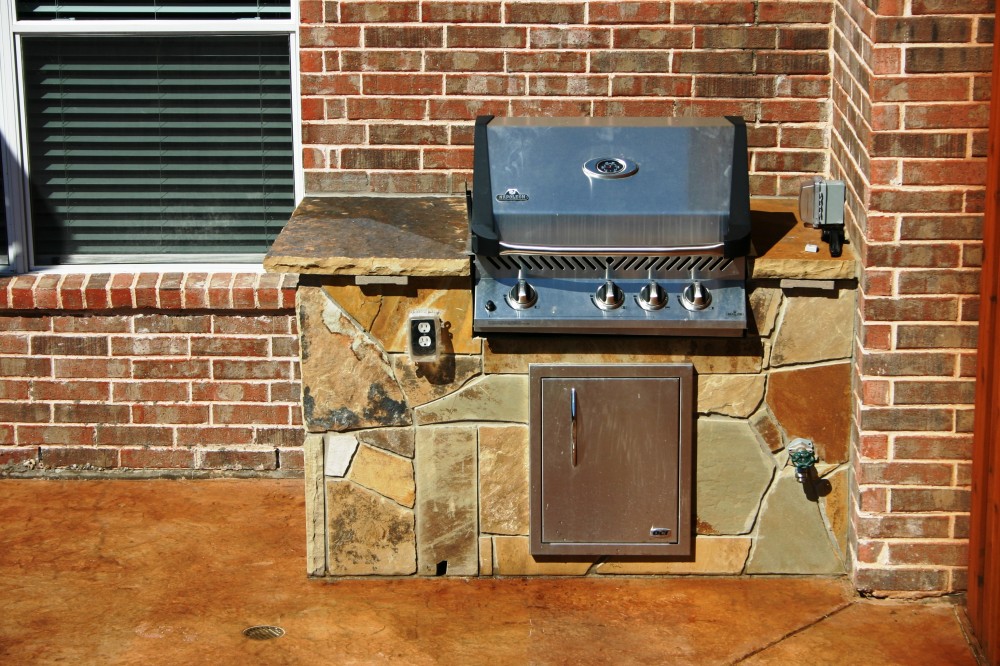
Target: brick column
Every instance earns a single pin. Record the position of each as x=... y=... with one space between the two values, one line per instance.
x=911 y=91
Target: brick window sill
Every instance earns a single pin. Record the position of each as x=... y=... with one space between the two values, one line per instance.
x=152 y=290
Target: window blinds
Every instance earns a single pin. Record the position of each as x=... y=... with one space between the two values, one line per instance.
x=157 y=145
x=152 y=9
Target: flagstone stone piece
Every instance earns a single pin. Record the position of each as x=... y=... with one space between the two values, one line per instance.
x=387 y=474
x=383 y=310
x=732 y=473
x=792 y=537
x=836 y=508
x=315 y=500
x=396 y=440
x=712 y=555
x=513 y=557
x=339 y=450
x=490 y=398
x=347 y=381
x=485 y=556
x=514 y=353
x=815 y=328
x=447 y=505
x=765 y=303
x=730 y=395
x=768 y=429
x=368 y=534
x=815 y=402
x=425 y=382
x=504 y=479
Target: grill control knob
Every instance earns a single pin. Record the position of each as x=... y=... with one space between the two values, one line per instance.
x=652 y=296
x=522 y=295
x=609 y=296
x=696 y=296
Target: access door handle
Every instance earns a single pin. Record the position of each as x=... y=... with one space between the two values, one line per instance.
x=572 y=429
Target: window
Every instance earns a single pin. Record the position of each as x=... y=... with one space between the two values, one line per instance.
x=4 y=256
x=153 y=9
x=8 y=128
x=166 y=137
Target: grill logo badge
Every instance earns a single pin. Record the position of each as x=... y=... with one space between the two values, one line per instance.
x=512 y=195
x=610 y=167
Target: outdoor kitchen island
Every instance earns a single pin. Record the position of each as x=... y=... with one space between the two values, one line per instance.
x=422 y=467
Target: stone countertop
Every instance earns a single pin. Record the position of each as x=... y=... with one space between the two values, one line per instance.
x=427 y=236
x=779 y=245
x=374 y=235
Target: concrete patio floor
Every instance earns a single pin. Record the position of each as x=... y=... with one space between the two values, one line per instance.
x=171 y=572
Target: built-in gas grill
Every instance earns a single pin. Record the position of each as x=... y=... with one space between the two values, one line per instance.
x=610 y=225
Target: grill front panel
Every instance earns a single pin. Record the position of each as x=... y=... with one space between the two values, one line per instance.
x=566 y=289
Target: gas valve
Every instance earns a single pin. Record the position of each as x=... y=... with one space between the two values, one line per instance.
x=802 y=454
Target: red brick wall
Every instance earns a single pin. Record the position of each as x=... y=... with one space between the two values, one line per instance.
x=911 y=91
x=390 y=87
x=149 y=371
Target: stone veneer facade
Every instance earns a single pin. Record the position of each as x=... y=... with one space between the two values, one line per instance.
x=423 y=469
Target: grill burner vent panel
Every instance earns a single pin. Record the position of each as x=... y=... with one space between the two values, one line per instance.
x=679 y=267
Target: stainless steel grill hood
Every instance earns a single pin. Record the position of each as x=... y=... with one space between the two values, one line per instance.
x=610 y=225
x=618 y=185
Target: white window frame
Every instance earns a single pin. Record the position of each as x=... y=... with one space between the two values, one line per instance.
x=14 y=134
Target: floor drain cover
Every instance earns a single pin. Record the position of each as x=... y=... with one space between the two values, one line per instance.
x=263 y=632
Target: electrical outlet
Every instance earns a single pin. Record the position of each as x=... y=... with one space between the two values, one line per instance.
x=425 y=334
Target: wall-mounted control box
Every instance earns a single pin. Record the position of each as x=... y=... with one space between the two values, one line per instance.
x=821 y=202
x=425 y=336
x=821 y=206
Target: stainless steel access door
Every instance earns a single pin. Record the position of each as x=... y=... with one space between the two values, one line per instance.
x=611 y=459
